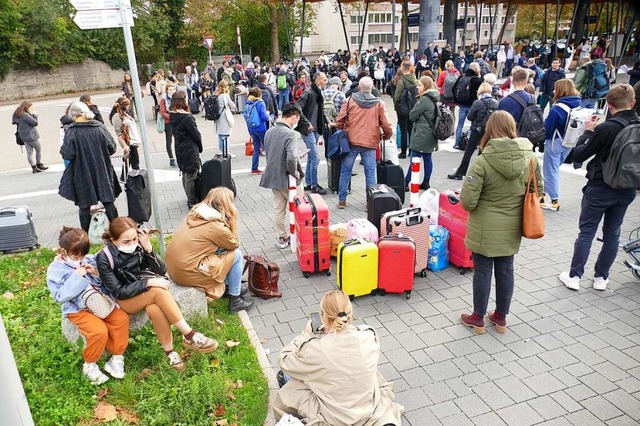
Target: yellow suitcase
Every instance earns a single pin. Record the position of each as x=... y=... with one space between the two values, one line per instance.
x=357 y=267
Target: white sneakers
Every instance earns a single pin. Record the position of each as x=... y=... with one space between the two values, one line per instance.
x=93 y=373
x=573 y=283
x=175 y=361
x=115 y=366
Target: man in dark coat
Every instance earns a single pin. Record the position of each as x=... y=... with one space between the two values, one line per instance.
x=89 y=178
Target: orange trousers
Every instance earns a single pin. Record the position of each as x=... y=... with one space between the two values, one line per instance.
x=111 y=333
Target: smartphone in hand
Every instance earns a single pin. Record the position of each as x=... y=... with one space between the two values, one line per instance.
x=316 y=323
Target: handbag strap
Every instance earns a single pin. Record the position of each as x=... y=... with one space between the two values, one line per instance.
x=532 y=176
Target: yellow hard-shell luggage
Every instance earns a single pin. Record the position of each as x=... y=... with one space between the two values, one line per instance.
x=357 y=267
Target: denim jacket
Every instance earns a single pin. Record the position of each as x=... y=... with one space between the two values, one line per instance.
x=66 y=285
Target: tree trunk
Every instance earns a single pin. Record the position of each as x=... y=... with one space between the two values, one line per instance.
x=511 y=11
x=404 y=29
x=275 y=42
x=429 y=25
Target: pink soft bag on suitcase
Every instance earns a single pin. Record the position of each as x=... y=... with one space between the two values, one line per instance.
x=362 y=228
x=454 y=218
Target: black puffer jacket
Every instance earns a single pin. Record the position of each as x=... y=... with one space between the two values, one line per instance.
x=130 y=272
x=188 y=141
x=479 y=110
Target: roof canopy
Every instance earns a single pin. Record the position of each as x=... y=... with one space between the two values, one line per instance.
x=471 y=2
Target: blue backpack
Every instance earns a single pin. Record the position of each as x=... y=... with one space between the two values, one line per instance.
x=338 y=145
x=251 y=116
x=598 y=81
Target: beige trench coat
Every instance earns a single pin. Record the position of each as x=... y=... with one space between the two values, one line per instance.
x=190 y=256
x=335 y=380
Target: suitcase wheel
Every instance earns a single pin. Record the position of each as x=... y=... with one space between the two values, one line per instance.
x=464 y=270
x=305 y=274
x=380 y=291
x=423 y=274
x=328 y=273
x=407 y=294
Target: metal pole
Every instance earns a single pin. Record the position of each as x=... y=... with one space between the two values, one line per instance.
x=545 y=23
x=475 y=12
x=573 y=22
x=490 y=42
x=595 y=29
x=627 y=36
x=555 y=33
x=393 y=23
x=464 y=30
x=304 y=6
x=133 y=69
x=344 y=28
x=286 y=27
x=364 y=22
x=615 y=42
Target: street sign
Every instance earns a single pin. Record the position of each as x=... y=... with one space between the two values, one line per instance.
x=105 y=18
x=413 y=19
x=95 y=4
x=208 y=42
x=459 y=25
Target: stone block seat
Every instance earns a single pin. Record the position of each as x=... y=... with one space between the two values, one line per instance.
x=191 y=300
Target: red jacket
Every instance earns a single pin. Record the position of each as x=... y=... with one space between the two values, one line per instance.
x=364 y=124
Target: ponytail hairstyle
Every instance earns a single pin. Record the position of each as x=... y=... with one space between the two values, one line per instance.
x=74 y=241
x=337 y=309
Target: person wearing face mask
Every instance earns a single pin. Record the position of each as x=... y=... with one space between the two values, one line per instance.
x=89 y=178
x=165 y=106
x=71 y=273
x=332 y=372
x=135 y=275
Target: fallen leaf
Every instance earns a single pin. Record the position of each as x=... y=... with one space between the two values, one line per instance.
x=218 y=328
x=231 y=396
x=231 y=343
x=129 y=416
x=220 y=410
x=8 y=295
x=222 y=422
x=145 y=373
x=102 y=392
x=105 y=412
x=185 y=355
x=215 y=362
x=219 y=321
x=238 y=384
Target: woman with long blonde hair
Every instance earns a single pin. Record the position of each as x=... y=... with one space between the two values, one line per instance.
x=204 y=251
x=224 y=123
x=331 y=372
x=493 y=194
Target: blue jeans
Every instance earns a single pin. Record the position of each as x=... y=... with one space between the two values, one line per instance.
x=283 y=97
x=368 y=156
x=233 y=280
x=507 y=68
x=599 y=201
x=554 y=156
x=388 y=75
x=588 y=102
x=311 y=173
x=428 y=166
x=483 y=267
x=258 y=140
x=221 y=139
x=463 y=110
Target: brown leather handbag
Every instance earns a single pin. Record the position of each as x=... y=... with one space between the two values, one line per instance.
x=263 y=276
x=532 y=217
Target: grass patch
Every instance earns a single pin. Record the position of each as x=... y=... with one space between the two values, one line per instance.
x=151 y=393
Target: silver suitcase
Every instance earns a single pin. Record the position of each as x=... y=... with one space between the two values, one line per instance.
x=16 y=229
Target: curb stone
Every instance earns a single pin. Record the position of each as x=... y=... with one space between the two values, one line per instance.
x=264 y=364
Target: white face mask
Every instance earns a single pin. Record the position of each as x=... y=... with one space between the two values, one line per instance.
x=128 y=249
x=75 y=264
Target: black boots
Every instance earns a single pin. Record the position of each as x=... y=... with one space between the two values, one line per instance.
x=238 y=303
x=41 y=166
x=36 y=169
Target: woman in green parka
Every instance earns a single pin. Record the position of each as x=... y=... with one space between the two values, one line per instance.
x=423 y=116
x=493 y=194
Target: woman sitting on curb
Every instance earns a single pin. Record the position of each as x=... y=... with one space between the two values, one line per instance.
x=71 y=273
x=135 y=275
x=334 y=378
x=204 y=250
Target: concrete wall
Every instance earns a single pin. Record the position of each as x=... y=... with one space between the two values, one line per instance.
x=89 y=75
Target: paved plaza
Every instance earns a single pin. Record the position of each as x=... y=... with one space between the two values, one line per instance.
x=568 y=358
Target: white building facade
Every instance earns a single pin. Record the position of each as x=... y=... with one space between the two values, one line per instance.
x=327 y=33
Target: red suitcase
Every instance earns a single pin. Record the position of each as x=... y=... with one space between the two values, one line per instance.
x=396 y=263
x=312 y=234
x=414 y=223
x=453 y=217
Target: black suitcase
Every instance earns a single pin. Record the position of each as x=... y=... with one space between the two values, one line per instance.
x=334 y=167
x=391 y=175
x=16 y=229
x=138 y=196
x=217 y=172
x=380 y=200
x=194 y=105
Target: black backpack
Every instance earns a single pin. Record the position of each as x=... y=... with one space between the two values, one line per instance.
x=408 y=99
x=211 y=110
x=531 y=124
x=621 y=170
x=462 y=89
x=490 y=110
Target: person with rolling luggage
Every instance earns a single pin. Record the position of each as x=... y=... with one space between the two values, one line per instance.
x=282 y=162
x=127 y=132
x=89 y=178
x=188 y=145
x=256 y=116
x=367 y=118
x=493 y=194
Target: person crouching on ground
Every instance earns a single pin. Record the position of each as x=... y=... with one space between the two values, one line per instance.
x=493 y=194
x=333 y=372
x=71 y=273
x=204 y=250
x=134 y=274
x=282 y=162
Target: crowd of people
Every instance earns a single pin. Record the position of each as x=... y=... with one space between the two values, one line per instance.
x=291 y=100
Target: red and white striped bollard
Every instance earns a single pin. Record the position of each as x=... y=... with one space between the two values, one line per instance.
x=414 y=185
x=292 y=220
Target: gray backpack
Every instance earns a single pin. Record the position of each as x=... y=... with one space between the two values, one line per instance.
x=622 y=168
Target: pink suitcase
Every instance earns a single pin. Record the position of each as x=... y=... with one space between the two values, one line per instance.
x=396 y=263
x=362 y=228
x=413 y=223
x=453 y=217
x=312 y=232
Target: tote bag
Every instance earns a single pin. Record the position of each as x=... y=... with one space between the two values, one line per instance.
x=532 y=217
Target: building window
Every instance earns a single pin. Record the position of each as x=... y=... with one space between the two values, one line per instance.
x=512 y=19
x=440 y=37
x=471 y=19
x=356 y=19
x=355 y=39
x=486 y=34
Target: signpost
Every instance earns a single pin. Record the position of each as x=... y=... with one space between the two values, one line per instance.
x=94 y=14
x=208 y=43
x=239 y=41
